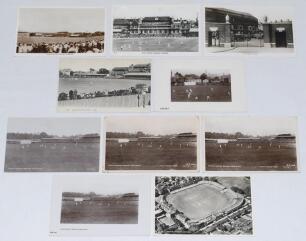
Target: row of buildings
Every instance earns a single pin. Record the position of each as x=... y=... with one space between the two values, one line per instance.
x=181 y=137
x=205 y=78
x=134 y=71
x=282 y=138
x=155 y=26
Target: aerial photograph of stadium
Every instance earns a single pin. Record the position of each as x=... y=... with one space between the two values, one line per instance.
x=60 y=31
x=155 y=28
x=200 y=86
x=151 y=143
x=249 y=29
x=52 y=145
x=104 y=84
x=94 y=208
x=251 y=143
x=203 y=205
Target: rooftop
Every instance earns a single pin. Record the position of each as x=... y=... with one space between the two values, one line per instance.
x=157 y=19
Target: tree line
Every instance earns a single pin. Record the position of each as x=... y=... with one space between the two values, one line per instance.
x=24 y=136
x=219 y=135
x=31 y=136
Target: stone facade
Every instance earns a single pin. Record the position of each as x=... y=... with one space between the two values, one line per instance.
x=278 y=34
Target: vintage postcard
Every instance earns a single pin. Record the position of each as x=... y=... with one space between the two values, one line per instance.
x=100 y=205
x=60 y=31
x=104 y=85
x=151 y=143
x=154 y=29
x=52 y=145
x=251 y=143
x=201 y=86
x=249 y=30
x=203 y=205
x=194 y=85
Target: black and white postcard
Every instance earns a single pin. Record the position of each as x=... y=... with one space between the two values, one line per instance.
x=104 y=85
x=60 y=31
x=100 y=205
x=203 y=205
x=249 y=29
x=194 y=85
x=251 y=143
x=151 y=143
x=52 y=145
x=155 y=29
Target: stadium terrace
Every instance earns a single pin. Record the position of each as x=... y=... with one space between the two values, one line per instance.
x=155 y=27
x=138 y=71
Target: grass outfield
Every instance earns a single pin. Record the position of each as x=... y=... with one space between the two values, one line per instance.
x=156 y=44
x=156 y=155
x=100 y=212
x=200 y=93
x=260 y=156
x=200 y=201
x=57 y=157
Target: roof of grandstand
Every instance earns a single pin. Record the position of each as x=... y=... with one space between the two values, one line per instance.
x=156 y=19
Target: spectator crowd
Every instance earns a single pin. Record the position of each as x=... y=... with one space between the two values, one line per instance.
x=91 y=46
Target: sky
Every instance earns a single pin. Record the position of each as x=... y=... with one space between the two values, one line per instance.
x=101 y=189
x=256 y=126
x=55 y=126
x=273 y=12
x=155 y=125
x=95 y=63
x=100 y=185
x=199 y=72
x=61 y=19
x=136 y=11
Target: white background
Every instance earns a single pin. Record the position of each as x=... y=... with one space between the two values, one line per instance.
x=28 y=87
x=107 y=185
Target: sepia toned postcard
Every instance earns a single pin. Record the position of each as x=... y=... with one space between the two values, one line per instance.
x=251 y=143
x=52 y=145
x=249 y=30
x=206 y=85
x=155 y=29
x=100 y=205
x=121 y=85
x=197 y=205
x=60 y=31
x=151 y=143
x=201 y=86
